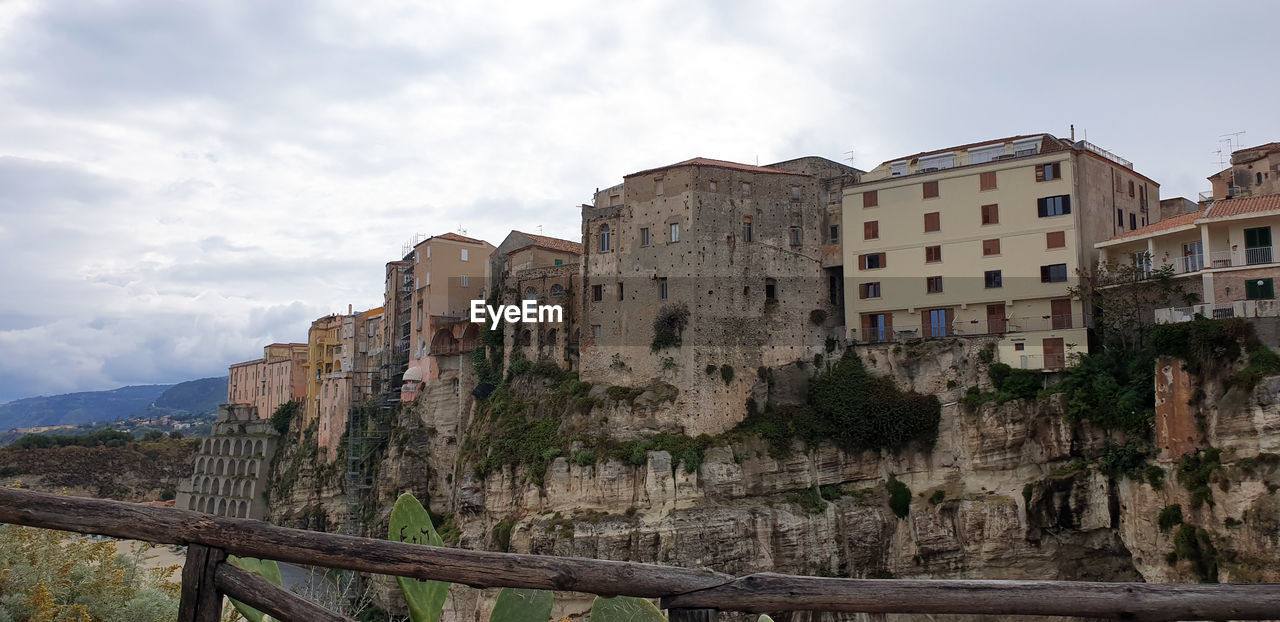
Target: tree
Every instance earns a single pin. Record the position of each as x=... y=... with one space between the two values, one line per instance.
x=1124 y=298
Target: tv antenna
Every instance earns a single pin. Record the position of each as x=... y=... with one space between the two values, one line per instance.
x=539 y=229
x=850 y=152
x=461 y=230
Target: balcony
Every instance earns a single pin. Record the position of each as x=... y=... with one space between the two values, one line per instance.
x=1246 y=257
x=973 y=328
x=1219 y=311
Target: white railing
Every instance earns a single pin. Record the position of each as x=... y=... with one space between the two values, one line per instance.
x=1220 y=311
x=1189 y=263
x=1246 y=257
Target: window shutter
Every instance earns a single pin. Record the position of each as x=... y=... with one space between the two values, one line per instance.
x=870 y=198
x=1039 y=172
x=1066 y=204
x=862 y=262
x=1044 y=274
x=987 y=181
x=1055 y=239
x=932 y=222
x=930 y=189
x=1057 y=170
x=883 y=260
x=1042 y=206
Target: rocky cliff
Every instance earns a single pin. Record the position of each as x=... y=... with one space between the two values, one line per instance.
x=1013 y=490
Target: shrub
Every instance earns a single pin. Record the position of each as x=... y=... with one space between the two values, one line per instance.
x=623 y=394
x=284 y=414
x=585 y=458
x=1127 y=460
x=726 y=373
x=975 y=397
x=1194 y=544
x=1154 y=476
x=668 y=327
x=1113 y=389
x=1263 y=361
x=937 y=497
x=502 y=535
x=809 y=500
x=1194 y=473
x=1013 y=384
x=817 y=317
x=987 y=354
x=830 y=492
x=899 y=497
x=1171 y=515
x=108 y=437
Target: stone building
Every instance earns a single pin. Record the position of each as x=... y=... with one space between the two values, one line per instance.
x=449 y=271
x=741 y=248
x=230 y=472
x=1253 y=172
x=546 y=270
x=266 y=383
x=986 y=239
x=397 y=318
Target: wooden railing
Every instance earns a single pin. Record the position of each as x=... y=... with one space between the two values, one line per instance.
x=687 y=594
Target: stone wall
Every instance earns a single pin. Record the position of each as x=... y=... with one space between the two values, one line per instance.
x=231 y=467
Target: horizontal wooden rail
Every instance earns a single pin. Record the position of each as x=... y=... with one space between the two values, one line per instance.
x=679 y=588
x=270 y=598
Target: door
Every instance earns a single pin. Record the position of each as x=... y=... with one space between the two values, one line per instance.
x=1054 y=356
x=935 y=323
x=1257 y=245
x=877 y=327
x=995 y=319
x=1193 y=256
x=1060 y=312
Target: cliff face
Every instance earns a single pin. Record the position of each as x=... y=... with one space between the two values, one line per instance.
x=1010 y=491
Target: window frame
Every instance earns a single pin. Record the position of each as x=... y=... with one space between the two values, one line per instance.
x=645 y=239
x=992 y=283
x=933 y=253
x=1047 y=273
x=933 y=284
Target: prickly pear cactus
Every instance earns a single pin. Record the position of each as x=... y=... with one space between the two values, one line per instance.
x=265 y=568
x=410 y=522
x=625 y=609
x=522 y=606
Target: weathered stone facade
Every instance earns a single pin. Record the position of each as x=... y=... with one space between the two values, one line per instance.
x=740 y=247
x=231 y=468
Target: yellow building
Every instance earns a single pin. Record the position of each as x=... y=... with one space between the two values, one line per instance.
x=985 y=239
x=1224 y=252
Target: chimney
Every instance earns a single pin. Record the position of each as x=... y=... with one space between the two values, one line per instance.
x=1073 y=132
x=348 y=308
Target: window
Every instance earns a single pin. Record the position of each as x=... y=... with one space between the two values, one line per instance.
x=466 y=281
x=795 y=236
x=466 y=255
x=1054 y=206
x=746 y=229
x=834 y=233
x=559 y=262
x=1259 y=289
x=992 y=279
x=991 y=247
x=932 y=254
x=877 y=326
x=715 y=187
x=674 y=235
x=596 y=331
x=604 y=238
x=658 y=186
x=1259 y=178
x=427 y=280
x=871 y=261
x=933 y=284
x=662 y=288
x=937 y=323
x=870 y=198
x=644 y=236
x=871 y=230
x=869 y=290
x=620 y=296
x=1055 y=239
x=770 y=289
x=991 y=214
x=1054 y=273
x=1131 y=188
x=1133 y=221
x=428 y=252
x=597 y=293
x=795 y=193
x=746 y=189
x=1019 y=346
x=932 y=222
x=1048 y=172
x=987 y=181
x=930 y=189
x=615 y=200
x=557 y=290
x=1120 y=218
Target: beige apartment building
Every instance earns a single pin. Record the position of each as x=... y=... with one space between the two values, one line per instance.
x=449 y=271
x=1224 y=253
x=266 y=383
x=986 y=239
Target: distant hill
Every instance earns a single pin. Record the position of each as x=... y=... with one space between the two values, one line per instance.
x=195 y=396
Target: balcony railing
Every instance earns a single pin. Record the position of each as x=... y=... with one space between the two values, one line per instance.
x=972 y=328
x=1246 y=257
x=1220 y=311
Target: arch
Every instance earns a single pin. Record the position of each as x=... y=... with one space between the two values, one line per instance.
x=200 y=506
x=222 y=507
x=226 y=488
x=248 y=490
x=217 y=470
x=191 y=503
x=244 y=510
x=253 y=468
x=526 y=337
x=604 y=241
x=235 y=449
x=557 y=290
x=204 y=447
x=552 y=337
x=226 y=447
x=204 y=486
x=257 y=449
x=199 y=465
x=530 y=294
x=240 y=467
x=444 y=343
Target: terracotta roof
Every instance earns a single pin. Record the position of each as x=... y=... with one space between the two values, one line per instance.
x=984 y=143
x=550 y=243
x=720 y=164
x=1227 y=208
x=456 y=238
x=1167 y=224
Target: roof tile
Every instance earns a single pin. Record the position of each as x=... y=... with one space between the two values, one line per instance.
x=555 y=244
x=720 y=164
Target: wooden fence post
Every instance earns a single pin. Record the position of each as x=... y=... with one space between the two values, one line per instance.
x=693 y=615
x=201 y=601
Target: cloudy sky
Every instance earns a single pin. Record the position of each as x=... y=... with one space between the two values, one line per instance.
x=182 y=182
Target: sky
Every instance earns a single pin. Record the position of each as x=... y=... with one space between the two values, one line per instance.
x=184 y=182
